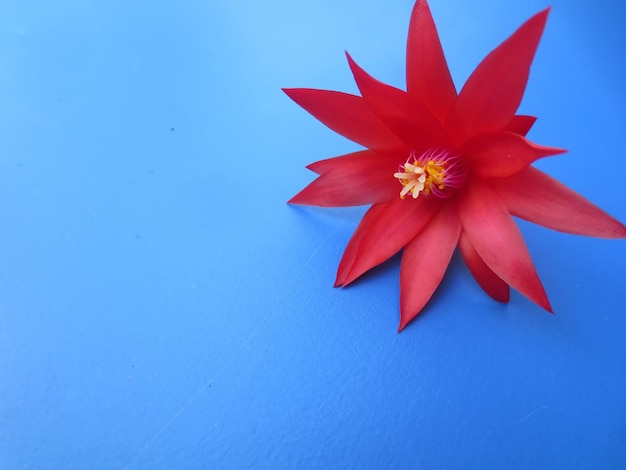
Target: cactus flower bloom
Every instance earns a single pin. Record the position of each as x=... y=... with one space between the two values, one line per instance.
x=443 y=170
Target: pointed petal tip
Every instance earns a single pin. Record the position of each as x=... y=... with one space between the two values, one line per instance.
x=354 y=67
x=404 y=321
x=538 y=295
x=297 y=201
x=340 y=279
x=406 y=318
x=541 y=15
x=346 y=280
x=544 y=303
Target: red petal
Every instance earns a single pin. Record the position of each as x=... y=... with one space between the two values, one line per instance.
x=539 y=198
x=351 y=180
x=347 y=115
x=493 y=233
x=385 y=229
x=494 y=91
x=427 y=76
x=424 y=262
x=521 y=124
x=501 y=154
x=406 y=117
x=356 y=158
x=495 y=287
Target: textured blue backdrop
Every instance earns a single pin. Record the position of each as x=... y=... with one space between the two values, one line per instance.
x=162 y=307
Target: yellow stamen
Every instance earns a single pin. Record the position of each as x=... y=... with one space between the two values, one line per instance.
x=418 y=179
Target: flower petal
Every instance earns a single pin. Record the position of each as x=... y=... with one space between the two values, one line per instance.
x=354 y=159
x=355 y=179
x=534 y=196
x=495 y=236
x=427 y=76
x=406 y=117
x=521 y=124
x=385 y=229
x=495 y=287
x=494 y=91
x=347 y=115
x=501 y=154
x=425 y=260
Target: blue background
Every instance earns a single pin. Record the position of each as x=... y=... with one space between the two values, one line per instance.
x=162 y=307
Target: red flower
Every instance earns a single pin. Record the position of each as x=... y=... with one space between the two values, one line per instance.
x=444 y=170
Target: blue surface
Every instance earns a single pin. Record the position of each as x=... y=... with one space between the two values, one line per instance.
x=162 y=307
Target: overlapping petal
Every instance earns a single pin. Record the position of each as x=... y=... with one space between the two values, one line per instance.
x=427 y=76
x=351 y=180
x=347 y=115
x=521 y=124
x=425 y=260
x=534 y=196
x=406 y=117
x=384 y=230
x=495 y=287
x=496 y=238
x=494 y=91
x=500 y=154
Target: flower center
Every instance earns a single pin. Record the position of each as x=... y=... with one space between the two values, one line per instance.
x=437 y=172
